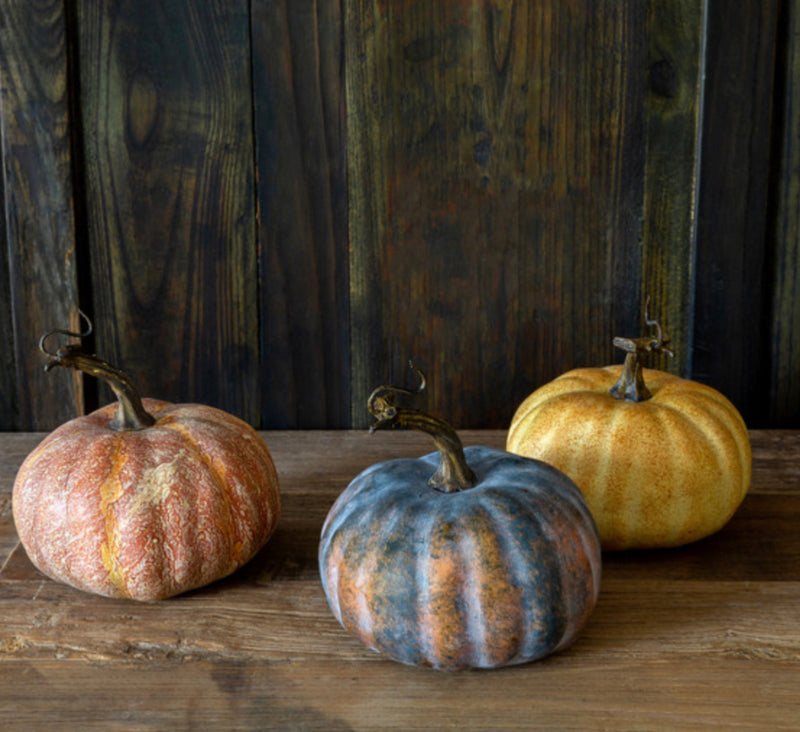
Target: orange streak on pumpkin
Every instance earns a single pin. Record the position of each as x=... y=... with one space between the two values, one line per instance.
x=111 y=491
x=442 y=621
x=495 y=616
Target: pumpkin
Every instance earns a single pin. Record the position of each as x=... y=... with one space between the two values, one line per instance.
x=144 y=499
x=661 y=460
x=463 y=558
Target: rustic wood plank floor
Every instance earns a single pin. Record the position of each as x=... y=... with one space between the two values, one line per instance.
x=701 y=637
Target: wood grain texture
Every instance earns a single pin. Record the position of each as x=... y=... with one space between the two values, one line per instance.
x=785 y=346
x=495 y=162
x=9 y=394
x=269 y=206
x=299 y=124
x=261 y=650
x=676 y=33
x=167 y=123
x=733 y=292
x=39 y=254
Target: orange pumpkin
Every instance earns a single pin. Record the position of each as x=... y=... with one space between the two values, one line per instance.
x=469 y=558
x=662 y=461
x=144 y=499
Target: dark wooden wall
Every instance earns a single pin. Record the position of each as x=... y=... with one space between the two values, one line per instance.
x=270 y=205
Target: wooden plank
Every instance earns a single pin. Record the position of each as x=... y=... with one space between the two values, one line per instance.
x=785 y=351
x=39 y=217
x=281 y=621
x=495 y=160
x=9 y=397
x=299 y=124
x=732 y=303
x=334 y=696
x=167 y=117
x=676 y=34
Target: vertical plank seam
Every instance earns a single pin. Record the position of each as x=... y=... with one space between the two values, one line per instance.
x=12 y=314
x=82 y=396
x=699 y=141
x=256 y=213
x=782 y=264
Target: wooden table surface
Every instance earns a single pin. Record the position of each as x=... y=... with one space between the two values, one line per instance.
x=702 y=637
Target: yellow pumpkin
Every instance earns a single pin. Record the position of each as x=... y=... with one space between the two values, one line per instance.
x=661 y=460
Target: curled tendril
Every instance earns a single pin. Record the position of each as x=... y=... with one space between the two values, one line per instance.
x=382 y=403
x=630 y=386
x=131 y=414
x=654 y=343
x=453 y=473
x=70 y=334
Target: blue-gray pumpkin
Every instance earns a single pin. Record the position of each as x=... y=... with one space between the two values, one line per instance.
x=492 y=562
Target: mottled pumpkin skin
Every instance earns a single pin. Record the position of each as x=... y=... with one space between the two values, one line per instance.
x=658 y=473
x=150 y=513
x=502 y=573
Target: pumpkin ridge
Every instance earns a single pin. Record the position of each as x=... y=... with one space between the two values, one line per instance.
x=350 y=543
x=518 y=567
x=722 y=430
x=110 y=491
x=577 y=460
x=224 y=520
x=361 y=576
x=330 y=573
x=617 y=508
x=553 y=630
x=42 y=556
x=428 y=650
x=567 y=500
x=167 y=565
x=69 y=520
x=470 y=550
x=26 y=472
x=723 y=441
x=550 y=517
x=555 y=422
x=561 y=632
x=740 y=446
x=177 y=418
x=393 y=588
x=250 y=444
x=441 y=617
x=626 y=508
x=681 y=445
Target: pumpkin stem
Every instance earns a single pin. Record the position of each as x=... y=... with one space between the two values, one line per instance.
x=131 y=415
x=453 y=473
x=630 y=385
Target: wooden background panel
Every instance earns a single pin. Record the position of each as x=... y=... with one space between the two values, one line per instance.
x=785 y=344
x=297 y=98
x=167 y=122
x=732 y=351
x=676 y=31
x=496 y=157
x=272 y=215
x=9 y=394
x=39 y=233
